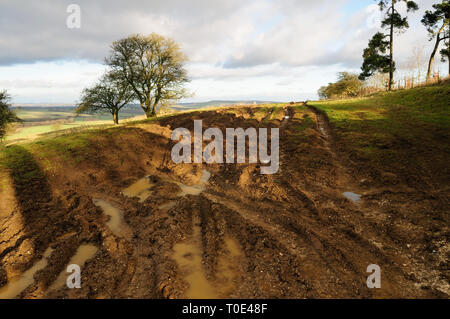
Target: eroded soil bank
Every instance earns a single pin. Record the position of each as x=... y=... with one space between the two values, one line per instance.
x=160 y=230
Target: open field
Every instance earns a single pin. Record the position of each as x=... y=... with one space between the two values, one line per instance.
x=361 y=182
x=38 y=121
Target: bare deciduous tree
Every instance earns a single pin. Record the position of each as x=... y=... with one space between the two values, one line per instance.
x=378 y=81
x=153 y=66
x=415 y=63
x=111 y=94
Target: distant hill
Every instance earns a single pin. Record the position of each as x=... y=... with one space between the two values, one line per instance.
x=179 y=107
x=215 y=103
x=37 y=114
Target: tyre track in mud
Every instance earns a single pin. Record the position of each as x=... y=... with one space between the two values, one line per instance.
x=345 y=183
x=210 y=258
x=331 y=254
x=376 y=235
x=321 y=249
x=266 y=260
x=287 y=241
x=290 y=238
x=298 y=237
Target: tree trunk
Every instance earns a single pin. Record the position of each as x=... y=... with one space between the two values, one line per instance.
x=154 y=109
x=436 y=46
x=147 y=110
x=391 y=50
x=116 y=117
x=157 y=98
x=431 y=62
x=150 y=111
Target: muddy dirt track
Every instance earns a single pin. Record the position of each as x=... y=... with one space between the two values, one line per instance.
x=141 y=226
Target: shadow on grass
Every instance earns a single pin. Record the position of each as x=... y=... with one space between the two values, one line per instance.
x=33 y=196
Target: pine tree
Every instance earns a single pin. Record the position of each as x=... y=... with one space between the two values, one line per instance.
x=374 y=56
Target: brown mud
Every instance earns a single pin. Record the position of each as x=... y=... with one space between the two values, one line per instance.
x=160 y=230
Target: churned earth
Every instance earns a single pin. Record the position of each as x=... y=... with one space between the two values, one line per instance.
x=141 y=226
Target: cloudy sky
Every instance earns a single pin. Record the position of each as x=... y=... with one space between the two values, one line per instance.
x=238 y=49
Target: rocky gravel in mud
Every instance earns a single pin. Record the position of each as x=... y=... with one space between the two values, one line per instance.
x=160 y=230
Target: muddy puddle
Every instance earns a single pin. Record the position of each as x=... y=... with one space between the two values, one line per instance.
x=352 y=196
x=83 y=254
x=116 y=216
x=195 y=189
x=228 y=267
x=16 y=285
x=189 y=259
x=140 y=189
x=188 y=255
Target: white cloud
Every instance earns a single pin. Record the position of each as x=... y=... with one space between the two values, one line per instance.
x=255 y=49
x=48 y=82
